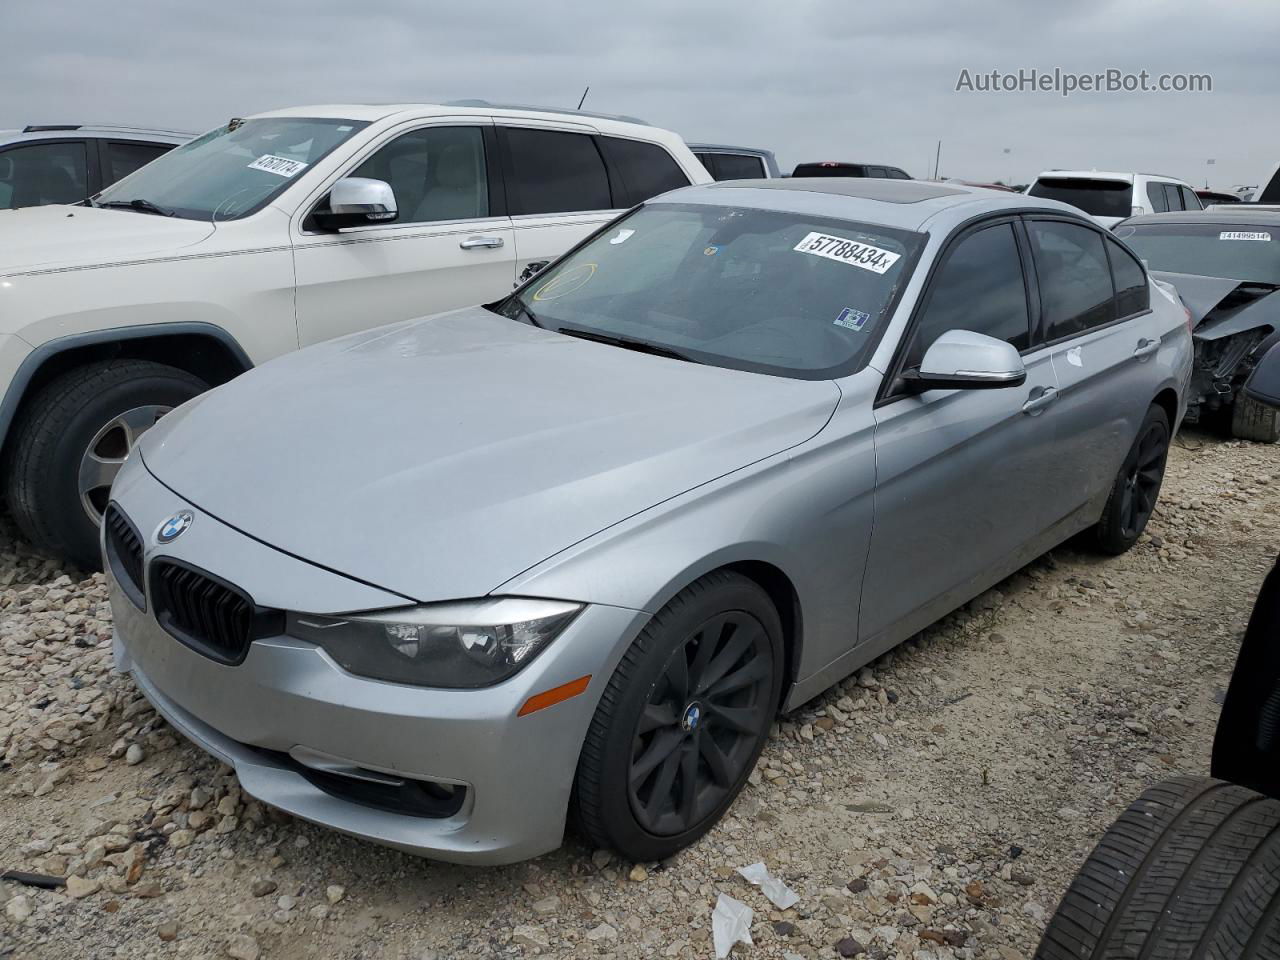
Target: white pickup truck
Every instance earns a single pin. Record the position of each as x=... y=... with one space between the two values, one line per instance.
x=268 y=234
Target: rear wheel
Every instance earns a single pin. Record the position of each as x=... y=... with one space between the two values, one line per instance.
x=1251 y=420
x=682 y=721
x=1137 y=486
x=71 y=440
x=1190 y=870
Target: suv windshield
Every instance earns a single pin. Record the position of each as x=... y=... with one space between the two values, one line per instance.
x=232 y=171
x=781 y=293
x=1098 y=198
x=1233 y=250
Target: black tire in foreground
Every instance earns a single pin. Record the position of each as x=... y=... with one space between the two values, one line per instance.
x=70 y=440
x=1137 y=486
x=1191 y=871
x=682 y=721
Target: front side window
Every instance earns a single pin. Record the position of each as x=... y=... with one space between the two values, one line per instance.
x=436 y=173
x=231 y=171
x=123 y=158
x=1132 y=293
x=773 y=292
x=1248 y=252
x=979 y=287
x=1075 y=277
x=553 y=172
x=39 y=173
x=1096 y=197
x=643 y=170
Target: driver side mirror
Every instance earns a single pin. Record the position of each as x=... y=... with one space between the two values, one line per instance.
x=964 y=360
x=1263 y=384
x=358 y=202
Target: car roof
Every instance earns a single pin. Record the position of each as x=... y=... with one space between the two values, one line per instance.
x=1105 y=175
x=725 y=148
x=1228 y=214
x=373 y=112
x=906 y=204
x=62 y=131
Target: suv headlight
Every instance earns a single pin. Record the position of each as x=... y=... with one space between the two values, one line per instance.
x=456 y=645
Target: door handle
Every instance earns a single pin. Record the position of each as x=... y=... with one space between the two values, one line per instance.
x=1145 y=348
x=479 y=243
x=1040 y=400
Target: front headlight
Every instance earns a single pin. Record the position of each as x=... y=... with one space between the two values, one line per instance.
x=457 y=645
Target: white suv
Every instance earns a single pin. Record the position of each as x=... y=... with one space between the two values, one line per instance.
x=268 y=234
x=1111 y=197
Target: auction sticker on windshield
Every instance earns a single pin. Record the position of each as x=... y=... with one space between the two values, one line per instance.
x=852 y=252
x=280 y=166
x=1243 y=235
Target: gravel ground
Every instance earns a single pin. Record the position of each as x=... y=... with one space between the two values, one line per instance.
x=934 y=806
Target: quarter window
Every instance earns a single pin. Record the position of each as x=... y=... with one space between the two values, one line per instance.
x=553 y=172
x=980 y=287
x=1189 y=199
x=1075 y=277
x=1132 y=293
x=643 y=169
x=41 y=173
x=437 y=173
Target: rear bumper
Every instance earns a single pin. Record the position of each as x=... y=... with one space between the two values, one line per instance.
x=288 y=696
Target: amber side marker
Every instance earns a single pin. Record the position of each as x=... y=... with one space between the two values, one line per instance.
x=549 y=698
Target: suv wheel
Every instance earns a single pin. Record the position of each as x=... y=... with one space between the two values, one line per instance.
x=1133 y=496
x=682 y=721
x=71 y=440
x=1251 y=420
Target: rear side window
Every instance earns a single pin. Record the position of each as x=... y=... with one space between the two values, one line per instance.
x=1132 y=293
x=121 y=159
x=1189 y=199
x=1098 y=198
x=641 y=170
x=897 y=174
x=1155 y=193
x=41 y=173
x=979 y=287
x=1075 y=277
x=553 y=172
x=736 y=166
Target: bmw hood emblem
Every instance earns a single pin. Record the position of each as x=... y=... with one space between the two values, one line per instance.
x=174 y=527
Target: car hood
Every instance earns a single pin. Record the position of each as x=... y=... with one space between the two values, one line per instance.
x=34 y=238
x=439 y=458
x=1222 y=307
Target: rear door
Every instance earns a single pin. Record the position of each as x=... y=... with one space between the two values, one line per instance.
x=1093 y=296
x=962 y=476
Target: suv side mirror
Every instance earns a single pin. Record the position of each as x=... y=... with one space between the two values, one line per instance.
x=964 y=360
x=1263 y=384
x=358 y=202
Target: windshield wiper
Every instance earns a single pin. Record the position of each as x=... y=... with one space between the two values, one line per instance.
x=521 y=308
x=139 y=204
x=628 y=343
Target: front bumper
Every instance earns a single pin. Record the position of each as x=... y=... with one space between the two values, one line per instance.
x=288 y=696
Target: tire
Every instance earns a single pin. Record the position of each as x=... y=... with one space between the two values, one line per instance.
x=1137 y=486
x=1251 y=420
x=1190 y=870
x=702 y=755
x=107 y=404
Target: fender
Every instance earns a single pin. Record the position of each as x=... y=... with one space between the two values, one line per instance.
x=50 y=348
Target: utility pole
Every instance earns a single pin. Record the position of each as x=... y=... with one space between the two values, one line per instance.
x=584 y=96
x=937 y=158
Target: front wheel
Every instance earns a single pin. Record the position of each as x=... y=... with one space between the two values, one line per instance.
x=682 y=721
x=71 y=441
x=1137 y=486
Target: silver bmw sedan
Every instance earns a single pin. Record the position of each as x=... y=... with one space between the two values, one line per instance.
x=438 y=584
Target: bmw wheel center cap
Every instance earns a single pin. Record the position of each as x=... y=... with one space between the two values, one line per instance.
x=174 y=527
x=692 y=716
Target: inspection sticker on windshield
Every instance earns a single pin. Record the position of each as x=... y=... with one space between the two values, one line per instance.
x=280 y=166
x=852 y=319
x=1243 y=235
x=852 y=252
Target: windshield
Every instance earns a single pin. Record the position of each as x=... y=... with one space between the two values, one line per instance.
x=1098 y=198
x=1233 y=250
x=232 y=171
x=780 y=293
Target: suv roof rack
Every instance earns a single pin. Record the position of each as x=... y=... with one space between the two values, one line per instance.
x=526 y=106
x=49 y=127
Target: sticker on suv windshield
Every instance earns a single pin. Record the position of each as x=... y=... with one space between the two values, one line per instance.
x=852 y=319
x=280 y=166
x=852 y=252
x=1243 y=235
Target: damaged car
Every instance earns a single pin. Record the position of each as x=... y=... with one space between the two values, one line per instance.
x=1225 y=265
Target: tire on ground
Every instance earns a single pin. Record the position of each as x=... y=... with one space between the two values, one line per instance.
x=1109 y=534
x=52 y=434
x=1251 y=420
x=1190 y=870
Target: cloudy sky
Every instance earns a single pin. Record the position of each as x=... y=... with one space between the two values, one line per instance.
x=810 y=79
